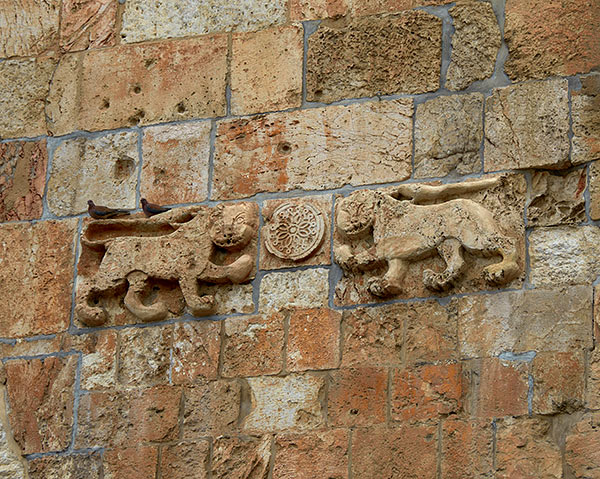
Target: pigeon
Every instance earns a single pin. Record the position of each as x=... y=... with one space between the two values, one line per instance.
x=151 y=209
x=102 y=212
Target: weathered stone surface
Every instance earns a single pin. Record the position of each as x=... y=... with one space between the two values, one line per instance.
x=524 y=448
x=558 y=382
x=80 y=466
x=585 y=112
x=539 y=320
x=547 y=38
x=374 y=55
x=357 y=397
x=231 y=298
x=131 y=462
x=294 y=290
x=99 y=358
x=431 y=333
x=582 y=451
x=174 y=18
x=211 y=408
x=266 y=70
x=184 y=460
x=594 y=189
x=253 y=346
x=196 y=347
x=527 y=126
x=475 y=44
x=144 y=358
x=281 y=403
x=313 y=340
x=467 y=449
x=22 y=179
x=448 y=135
x=22 y=102
x=138 y=84
x=307 y=456
x=314 y=149
x=301 y=10
x=564 y=255
x=28 y=28
x=426 y=392
x=27 y=347
x=175 y=168
x=37 y=275
x=241 y=457
x=104 y=169
x=556 y=198
x=407 y=452
x=40 y=395
x=87 y=24
x=298 y=232
x=12 y=466
x=371 y=7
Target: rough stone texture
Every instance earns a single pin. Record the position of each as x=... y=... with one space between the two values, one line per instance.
x=357 y=397
x=241 y=457
x=88 y=24
x=28 y=347
x=407 y=452
x=371 y=7
x=374 y=55
x=524 y=448
x=475 y=44
x=540 y=320
x=175 y=168
x=556 y=198
x=80 y=466
x=37 y=281
x=281 y=403
x=196 y=347
x=294 y=290
x=307 y=456
x=99 y=358
x=231 y=298
x=266 y=70
x=547 y=38
x=313 y=340
x=174 y=18
x=564 y=255
x=594 y=189
x=253 y=346
x=12 y=466
x=22 y=179
x=314 y=149
x=40 y=395
x=184 y=460
x=211 y=408
x=131 y=462
x=467 y=449
x=138 y=84
x=527 y=126
x=585 y=112
x=426 y=392
x=28 y=28
x=582 y=454
x=448 y=134
x=104 y=169
x=558 y=382
x=144 y=358
x=22 y=102
x=301 y=10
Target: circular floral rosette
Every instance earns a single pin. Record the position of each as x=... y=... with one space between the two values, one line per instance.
x=295 y=231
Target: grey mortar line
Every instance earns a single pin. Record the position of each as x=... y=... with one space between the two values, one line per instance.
x=309 y=27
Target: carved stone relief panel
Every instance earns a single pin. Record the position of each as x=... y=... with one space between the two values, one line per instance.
x=419 y=240
x=139 y=269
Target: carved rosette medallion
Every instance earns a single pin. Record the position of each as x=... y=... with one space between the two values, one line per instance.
x=295 y=231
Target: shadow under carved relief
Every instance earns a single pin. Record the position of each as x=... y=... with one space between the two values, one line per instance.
x=382 y=235
x=156 y=267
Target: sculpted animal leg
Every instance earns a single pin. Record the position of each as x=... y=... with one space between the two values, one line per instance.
x=236 y=272
x=505 y=270
x=451 y=252
x=391 y=282
x=90 y=315
x=137 y=282
x=198 y=305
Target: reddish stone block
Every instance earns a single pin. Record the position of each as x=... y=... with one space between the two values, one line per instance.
x=301 y=10
x=79 y=466
x=138 y=462
x=99 y=359
x=313 y=340
x=87 y=24
x=467 y=449
x=558 y=382
x=582 y=449
x=41 y=396
x=372 y=7
x=357 y=397
x=196 y=347
x=241 y=457
x=184 y=460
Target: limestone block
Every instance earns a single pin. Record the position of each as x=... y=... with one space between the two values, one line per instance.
x=374 y=55
x=292 y=290
x=527 y=126
x=130 y=462
x=372 y=7
x=88 y=24
x=558 y=382
x=78 y=466
x=12 y=465
x=585 y=111
x=301 y=10
x=196 y=347
x=582 y=454
x=448 y=135
x=184 y=459
x=314 y=149
x=594 y=190
x=467 y=448
x=243 y=457
x=99 y=358
x=144 y=358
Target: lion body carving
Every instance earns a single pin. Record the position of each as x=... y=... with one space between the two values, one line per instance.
x=183 y=255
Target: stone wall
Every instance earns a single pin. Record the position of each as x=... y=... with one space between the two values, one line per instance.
x=304 y=369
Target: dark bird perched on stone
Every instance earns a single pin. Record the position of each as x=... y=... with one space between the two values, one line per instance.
x=151 y=209
x=102 y=212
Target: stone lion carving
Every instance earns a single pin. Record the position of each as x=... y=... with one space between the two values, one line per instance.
x=183 y=255
x=404 y=231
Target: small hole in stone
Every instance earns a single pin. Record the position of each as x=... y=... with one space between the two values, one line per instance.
x=284 y=147
x=180 y=107
x=137 y=89
x=318 y=92
x=123 y=168
x=105 y=104
x=354 y=411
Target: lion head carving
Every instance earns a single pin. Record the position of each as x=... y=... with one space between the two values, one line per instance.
x=355 y=214
x=232 y=226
